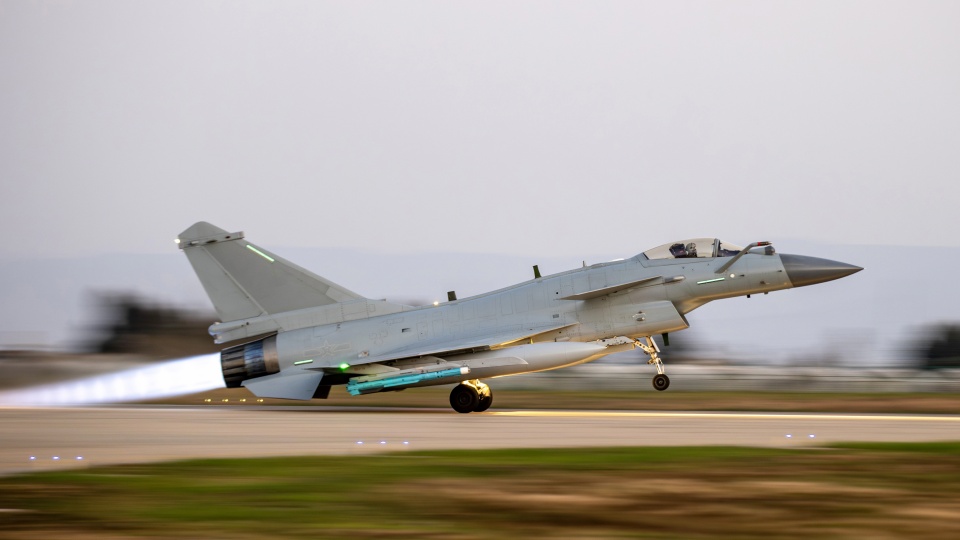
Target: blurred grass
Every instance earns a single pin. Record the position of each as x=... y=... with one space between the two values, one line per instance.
x=437 y=397
x=852 y=491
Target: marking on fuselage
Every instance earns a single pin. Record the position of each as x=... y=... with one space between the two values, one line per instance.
x=377 y=337
x=310 y=361
x=326 y=349
x=710 y=280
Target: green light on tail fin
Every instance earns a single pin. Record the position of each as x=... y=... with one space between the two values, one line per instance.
x=260 y=253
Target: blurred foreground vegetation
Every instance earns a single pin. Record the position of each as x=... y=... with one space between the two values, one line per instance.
x=852 y=491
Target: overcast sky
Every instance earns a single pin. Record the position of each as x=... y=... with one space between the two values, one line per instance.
x=374 y=139
x=560 y=128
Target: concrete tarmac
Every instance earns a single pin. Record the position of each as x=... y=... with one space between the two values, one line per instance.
x=56 y=438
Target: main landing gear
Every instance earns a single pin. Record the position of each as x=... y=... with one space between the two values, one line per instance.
x=471 y=396
x=660 y=381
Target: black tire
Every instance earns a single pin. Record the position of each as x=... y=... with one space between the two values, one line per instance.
x=464 y=398
x=661 y=382
x=484 y=402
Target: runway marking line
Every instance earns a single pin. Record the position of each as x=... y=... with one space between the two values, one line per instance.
x=535 y=413
x=772 y=416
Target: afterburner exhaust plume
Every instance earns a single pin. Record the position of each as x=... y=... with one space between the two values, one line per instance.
x=173 y=378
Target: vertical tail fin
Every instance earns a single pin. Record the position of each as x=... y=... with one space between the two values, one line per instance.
x=244 y=280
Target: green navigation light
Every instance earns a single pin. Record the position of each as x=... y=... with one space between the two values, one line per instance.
x=260 y=253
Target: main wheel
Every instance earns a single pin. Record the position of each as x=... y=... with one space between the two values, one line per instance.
x=464 y=398
x=661 y=382
x=484 y=402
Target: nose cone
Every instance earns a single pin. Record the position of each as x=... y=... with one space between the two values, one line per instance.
x=803 y=270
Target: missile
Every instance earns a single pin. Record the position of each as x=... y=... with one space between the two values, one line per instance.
x=370 y=385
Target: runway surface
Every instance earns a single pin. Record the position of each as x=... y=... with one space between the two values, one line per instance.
x=54 y=438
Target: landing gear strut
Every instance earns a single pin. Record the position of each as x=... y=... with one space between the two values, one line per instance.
x=471 y=396
x=660 y=380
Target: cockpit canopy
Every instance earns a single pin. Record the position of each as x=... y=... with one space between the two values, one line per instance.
x=698 y=248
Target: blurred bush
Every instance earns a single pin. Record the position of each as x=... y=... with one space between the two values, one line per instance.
x=133 y=325
x=940 y=349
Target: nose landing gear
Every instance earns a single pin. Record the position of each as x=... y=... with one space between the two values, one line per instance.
x=471 y=396
x=660 y=381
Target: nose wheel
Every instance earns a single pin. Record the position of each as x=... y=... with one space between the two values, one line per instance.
x=660 y=381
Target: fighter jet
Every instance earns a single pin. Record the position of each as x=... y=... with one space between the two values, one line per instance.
x=304 y=334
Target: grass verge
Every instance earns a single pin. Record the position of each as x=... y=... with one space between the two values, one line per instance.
x=853 y=490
